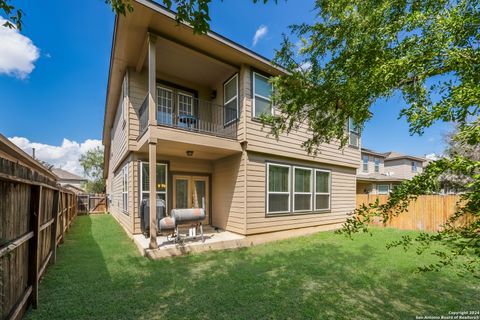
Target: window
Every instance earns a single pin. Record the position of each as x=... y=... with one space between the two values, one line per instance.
x=125 y=189
x=302 y=191
x=278 y=192
x=164 y=105
x=262 y=90
x=322 y=190
x=365 y=163
x=309 y=189
x=377 y=164
x=414 y=166
x=230 y=100
x=161 y=181
x=383 y=189
x=353 y=133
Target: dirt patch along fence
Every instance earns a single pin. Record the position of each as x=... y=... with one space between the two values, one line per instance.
x=35 y=213
x=91 y=203
x=427 y=213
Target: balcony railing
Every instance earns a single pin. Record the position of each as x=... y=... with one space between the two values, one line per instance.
x=191 y=114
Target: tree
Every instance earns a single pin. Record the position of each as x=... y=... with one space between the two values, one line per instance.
x=92 y=163
x=450 y=180
x=357 y=52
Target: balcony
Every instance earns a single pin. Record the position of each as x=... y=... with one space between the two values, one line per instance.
x=185 y=112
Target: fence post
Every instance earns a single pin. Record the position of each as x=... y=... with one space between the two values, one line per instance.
x=62 y=215
x=35 y=210
x=55 y=208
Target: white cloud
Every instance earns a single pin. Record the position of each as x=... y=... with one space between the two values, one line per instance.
x=17 y=53
x=65 y=156
x=259 y=34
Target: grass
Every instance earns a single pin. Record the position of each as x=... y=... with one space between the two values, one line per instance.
x=99 y=274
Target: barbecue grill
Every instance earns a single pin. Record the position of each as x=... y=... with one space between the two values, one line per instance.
x=188 y=216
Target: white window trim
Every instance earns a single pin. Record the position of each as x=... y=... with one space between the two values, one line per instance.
x=363 y=163
x=259 y=95
x=142 y=163
x=329 y=193
x=375 y=166
x=278 y=192
x=294 y=193
x=235 y=76
x=125 y=188
x=378 y=189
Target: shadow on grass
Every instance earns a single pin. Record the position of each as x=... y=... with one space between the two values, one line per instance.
x=100 y=275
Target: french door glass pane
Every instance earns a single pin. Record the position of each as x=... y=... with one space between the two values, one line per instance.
x=181 y=193
x=322 y=184
x=278 y=178
x=185 y=105
x=278 y=202
x=200 y=194
x=322 y=201
x=303 y=202
x=302 y=180
x=165 y=106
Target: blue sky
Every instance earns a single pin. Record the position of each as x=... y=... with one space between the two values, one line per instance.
x=63 y=97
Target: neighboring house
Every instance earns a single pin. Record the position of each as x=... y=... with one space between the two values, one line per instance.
x=379 y=172
x=181 y=122
x=66 y=178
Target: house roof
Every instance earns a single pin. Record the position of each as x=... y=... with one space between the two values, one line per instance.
x=369 y=151
x=75 y=189
x=393 y=155
x=65 y=175
x=378 y=177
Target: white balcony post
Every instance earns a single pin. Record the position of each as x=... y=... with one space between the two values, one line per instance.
x=152 y=165
x=152 y=80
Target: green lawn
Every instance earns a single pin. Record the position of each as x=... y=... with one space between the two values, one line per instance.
x=100 y=275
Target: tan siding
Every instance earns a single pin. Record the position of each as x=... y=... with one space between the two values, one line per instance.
x=259 y=139
x=116 y=195
x=342 y=202
x=118 y=147
x=228 y=186
x=402 y=168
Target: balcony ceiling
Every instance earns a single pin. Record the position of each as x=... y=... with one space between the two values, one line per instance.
x=181 y=62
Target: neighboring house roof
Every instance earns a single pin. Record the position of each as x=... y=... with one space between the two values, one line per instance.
x=375 y=153
x=393 y=155
x=65 y=175
x=73 y=188
x=378 y=177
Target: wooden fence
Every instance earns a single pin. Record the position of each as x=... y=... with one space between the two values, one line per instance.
x=427 y=213
x=91 y=203
x=34 y=215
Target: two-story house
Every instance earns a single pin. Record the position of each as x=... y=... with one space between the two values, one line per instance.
x=181 y=123
x=380 y=172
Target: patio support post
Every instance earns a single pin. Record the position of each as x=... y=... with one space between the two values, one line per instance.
x=152 y=165
x=152 y=79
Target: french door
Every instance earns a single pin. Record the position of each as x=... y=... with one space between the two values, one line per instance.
x=191 y=192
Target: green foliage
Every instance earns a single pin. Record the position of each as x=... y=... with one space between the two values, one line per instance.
x=357 y=52
x=92 y=163
x=100 y=274
x=12 y=15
